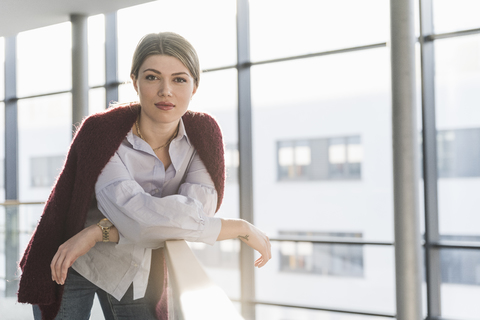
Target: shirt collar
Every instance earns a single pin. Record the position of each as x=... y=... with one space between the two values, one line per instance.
x=134 y=140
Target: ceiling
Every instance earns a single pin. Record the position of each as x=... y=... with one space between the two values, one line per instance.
x=21 y=15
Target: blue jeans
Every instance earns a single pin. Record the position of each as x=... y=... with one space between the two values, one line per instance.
x=78 y=298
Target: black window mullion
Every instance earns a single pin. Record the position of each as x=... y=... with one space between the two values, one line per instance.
x=111 y=61
x=432 y=255
x=245 y=174
x=12 y=236
x=11 y=124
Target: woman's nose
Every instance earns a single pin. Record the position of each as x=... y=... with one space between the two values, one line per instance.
x=164 y=90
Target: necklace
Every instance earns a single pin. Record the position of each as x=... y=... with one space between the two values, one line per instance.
x=137 y=126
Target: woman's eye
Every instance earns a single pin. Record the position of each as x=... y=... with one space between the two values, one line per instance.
x=180 y=80
x=150 y=77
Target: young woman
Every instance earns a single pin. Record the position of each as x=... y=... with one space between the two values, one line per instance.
x=135 y=175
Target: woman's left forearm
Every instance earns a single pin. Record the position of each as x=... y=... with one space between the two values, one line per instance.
x=75 y=247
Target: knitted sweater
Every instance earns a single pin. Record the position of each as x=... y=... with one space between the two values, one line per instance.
x=64 y=215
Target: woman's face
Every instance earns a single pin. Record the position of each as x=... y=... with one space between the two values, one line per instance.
x=165 y=88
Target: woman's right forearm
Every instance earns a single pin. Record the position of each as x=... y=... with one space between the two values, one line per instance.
x=232 y=229
x=248 y=234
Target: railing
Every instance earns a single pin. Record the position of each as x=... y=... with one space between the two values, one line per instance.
x=17 y=221
x=18 y=203
x=442 y=244
x=195 y=296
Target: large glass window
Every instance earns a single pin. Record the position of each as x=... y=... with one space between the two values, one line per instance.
x=331 y=112
x=44 y=60
x=456 y=157
x=341 y=260
x=460 y=281
x=321 y=143
x=343 y=280
x=461 y=266
x=211 y=31
x=455 y=15
x=96 y=100
x=44 y=131
x=96 y=50
x=280 y=29
x=457 y=80
x=44 y=170
x=320 y=159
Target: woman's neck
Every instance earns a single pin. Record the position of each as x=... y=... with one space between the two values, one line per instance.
x=157 y=135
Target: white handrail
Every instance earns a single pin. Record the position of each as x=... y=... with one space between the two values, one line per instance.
x=198 y=296
x=19 y=203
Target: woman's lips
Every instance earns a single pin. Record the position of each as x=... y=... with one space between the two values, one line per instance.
x=165 y=106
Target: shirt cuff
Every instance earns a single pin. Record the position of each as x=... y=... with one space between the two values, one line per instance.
x=211 y=231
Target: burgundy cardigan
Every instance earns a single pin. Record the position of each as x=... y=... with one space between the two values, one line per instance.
x=64 y=215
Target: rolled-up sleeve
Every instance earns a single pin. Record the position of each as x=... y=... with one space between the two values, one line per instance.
x=146 y=220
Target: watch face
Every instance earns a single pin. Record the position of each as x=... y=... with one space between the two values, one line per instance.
x=105 y=223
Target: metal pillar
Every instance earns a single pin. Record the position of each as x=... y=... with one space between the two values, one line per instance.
x=79 y=68
x=11 y=167
x=111 y=77
x=405 y=162
x=12 y=247
x=11 y=124
x=432 y=235
x=247 y=270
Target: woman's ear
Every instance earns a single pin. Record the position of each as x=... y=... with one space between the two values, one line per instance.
x=134 y=81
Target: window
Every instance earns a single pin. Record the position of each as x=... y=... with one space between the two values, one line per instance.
x=460 y=266
x=320 y=159
x=51 y=58
x=45 y=170
x=458 y=153
x=44 y=130
x=345 y=157
x=323 y=259
x=294 y=159
x=231 y=162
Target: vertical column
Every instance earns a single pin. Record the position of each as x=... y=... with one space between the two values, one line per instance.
x=11 y=167
x=432 y=255
x=12 y=247
x=11 y=124
x=247 y=271
x=79 y=68
x=405 y=162
x=111 y=77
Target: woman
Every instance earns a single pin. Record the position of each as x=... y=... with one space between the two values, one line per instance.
x=135 y=176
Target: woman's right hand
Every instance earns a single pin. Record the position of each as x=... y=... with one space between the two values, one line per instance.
x=258 y=240
x=250 y=235
x=73 y=248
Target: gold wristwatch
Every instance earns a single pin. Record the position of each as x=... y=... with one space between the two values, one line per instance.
x=105 y=225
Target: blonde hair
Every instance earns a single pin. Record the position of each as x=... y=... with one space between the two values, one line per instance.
x=170 y=44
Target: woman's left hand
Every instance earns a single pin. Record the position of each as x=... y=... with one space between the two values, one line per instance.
x=73 y=248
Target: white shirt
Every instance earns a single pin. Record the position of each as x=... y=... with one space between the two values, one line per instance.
x=129 y=194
